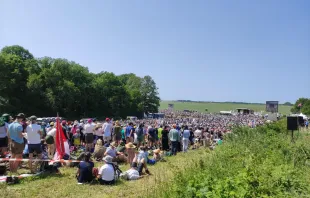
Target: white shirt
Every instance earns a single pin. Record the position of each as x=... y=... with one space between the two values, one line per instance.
x=99 y=132
x=197 y=133
x=107 y=127
x=89 y=128
x=52 y=132
x=3 y=130
x=33 y=136
x=133 y=174
x=107 y=172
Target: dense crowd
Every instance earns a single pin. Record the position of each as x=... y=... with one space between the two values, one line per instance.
x=139 y=143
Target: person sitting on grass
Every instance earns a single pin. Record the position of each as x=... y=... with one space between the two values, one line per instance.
x=141 y=159
x=85 y=170
x=106 y=174
x=117 y=156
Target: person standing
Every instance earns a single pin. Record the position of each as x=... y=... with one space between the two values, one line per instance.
x=185 y=139
x=117 y=136
x=50 y=141
x=174 y=138
x=89 y=135
x=129 y=133
x=3 y=134
x=160 y=130
x=15 y=135
x=165 y=139
x=107 y=131
x=34 y=134
x=140 y=134
x=151 y=136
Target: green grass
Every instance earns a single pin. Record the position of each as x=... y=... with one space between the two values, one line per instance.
x=258 y=162
x=261 y=162
x=216 y=107
x=65 y=185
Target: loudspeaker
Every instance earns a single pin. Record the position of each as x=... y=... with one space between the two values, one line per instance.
x=292 y=123
x=301 y=121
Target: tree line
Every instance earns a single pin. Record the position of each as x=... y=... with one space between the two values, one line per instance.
x=45 y=86
x=302 y=105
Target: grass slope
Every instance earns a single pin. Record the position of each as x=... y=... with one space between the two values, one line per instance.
x=258 y=162
x=216 y=107
x=65 y=185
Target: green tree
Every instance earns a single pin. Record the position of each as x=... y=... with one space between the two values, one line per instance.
x=305 y=106
x=149 y=93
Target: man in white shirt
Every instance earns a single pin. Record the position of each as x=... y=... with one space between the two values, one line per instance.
x=107 y=131
x=106 y=174
x=34 y=134
x=89 y=135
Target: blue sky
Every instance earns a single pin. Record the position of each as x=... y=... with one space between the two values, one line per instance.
x=226 y=50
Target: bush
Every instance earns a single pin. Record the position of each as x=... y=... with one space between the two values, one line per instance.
x=260 y=162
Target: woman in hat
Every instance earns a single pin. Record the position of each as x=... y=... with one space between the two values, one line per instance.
x=130 y=150
x=106 y=174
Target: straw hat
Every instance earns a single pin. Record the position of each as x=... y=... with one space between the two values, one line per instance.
x=157 y=151
x=130 y=145
x=113 y=144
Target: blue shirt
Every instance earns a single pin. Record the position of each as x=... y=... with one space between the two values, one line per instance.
x=86 y=172
x=14 y=131
x=186 y=134
x=128 y=130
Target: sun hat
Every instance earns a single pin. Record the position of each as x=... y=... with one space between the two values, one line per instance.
x=130 y=145
x=108 y=159
x=156 y=151
x=113 y=144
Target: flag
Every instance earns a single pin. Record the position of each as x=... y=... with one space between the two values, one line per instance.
x=59 y=139
x=299 y=105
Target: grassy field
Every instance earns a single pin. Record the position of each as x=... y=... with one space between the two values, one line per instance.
x=258 y=163
x=216 y=107
x=65 y=185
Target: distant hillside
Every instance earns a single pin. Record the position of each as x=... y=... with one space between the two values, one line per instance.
x=204 y=106
x=227 y=102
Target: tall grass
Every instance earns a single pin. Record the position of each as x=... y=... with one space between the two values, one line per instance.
x=259 y=162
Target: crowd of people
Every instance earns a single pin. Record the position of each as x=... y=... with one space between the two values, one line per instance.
x=139 y=143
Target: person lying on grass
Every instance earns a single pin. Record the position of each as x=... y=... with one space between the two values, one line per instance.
x=132 y=173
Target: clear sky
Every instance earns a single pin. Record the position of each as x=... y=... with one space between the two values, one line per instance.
x=225 y=50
